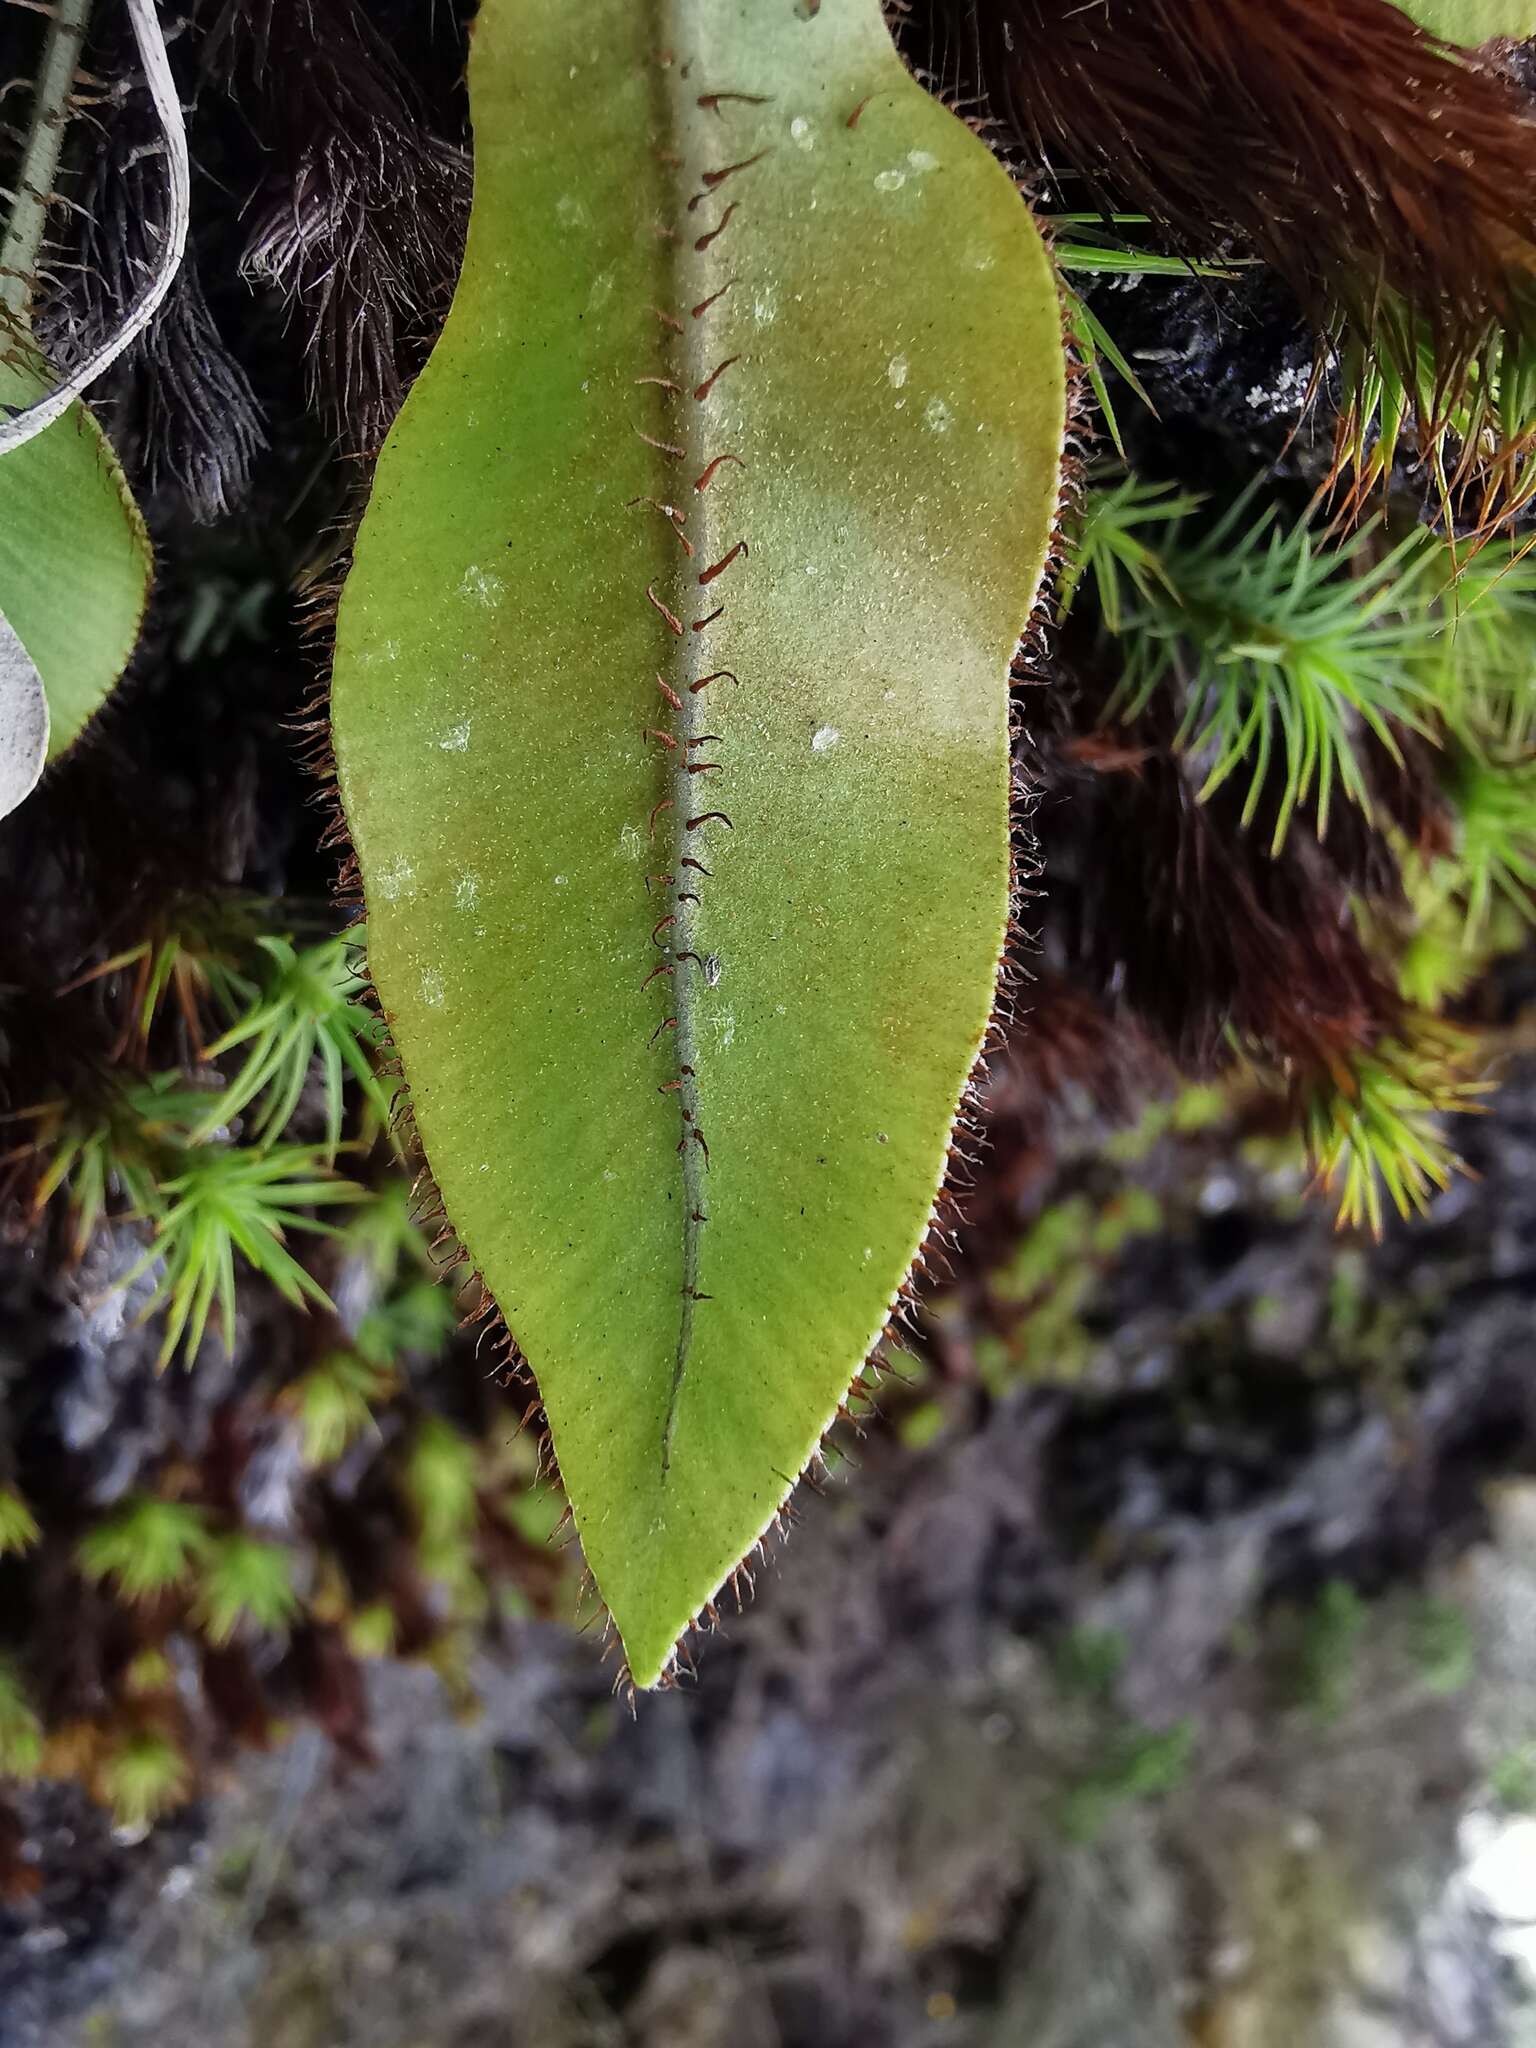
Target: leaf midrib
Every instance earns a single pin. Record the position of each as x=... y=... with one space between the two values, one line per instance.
x=693 y=141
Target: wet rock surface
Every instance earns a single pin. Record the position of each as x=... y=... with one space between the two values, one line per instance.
x=1150 y=1709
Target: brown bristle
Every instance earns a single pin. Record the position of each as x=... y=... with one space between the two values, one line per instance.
x=360 y=222
x=1195 y=926
x=1346 y=148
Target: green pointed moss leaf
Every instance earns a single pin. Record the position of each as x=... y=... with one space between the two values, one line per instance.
x=1472 y=22
x=739 y=455
x=74 y=559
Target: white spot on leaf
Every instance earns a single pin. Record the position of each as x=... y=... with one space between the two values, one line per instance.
x=481 y=586
x=466 y=892
x=801 y=133
x=825 y=739
x=432 y=990
x=890 y=181
x=456 y=739
x=938 y=416
x=922 y=160
x=395 y=879
x=896 y=370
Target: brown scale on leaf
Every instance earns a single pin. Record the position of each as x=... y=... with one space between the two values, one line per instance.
x=705 y=241
x=707 y=475
x=702 y=391
x=674 y=623
x=674 y=519
x=712 y=102
x=707 y=576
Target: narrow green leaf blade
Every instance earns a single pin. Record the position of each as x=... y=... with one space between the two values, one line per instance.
x=731 y=277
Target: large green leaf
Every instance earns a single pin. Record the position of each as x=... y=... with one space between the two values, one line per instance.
x=74 y=559
x=1471 y=22
x=686 y=1017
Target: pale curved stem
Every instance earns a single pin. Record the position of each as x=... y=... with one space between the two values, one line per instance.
x=31 y=420
x=40 y=158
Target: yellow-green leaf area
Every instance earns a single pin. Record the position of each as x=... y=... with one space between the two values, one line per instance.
x=1472 y=22
x=671 y=720
x=74 y=558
